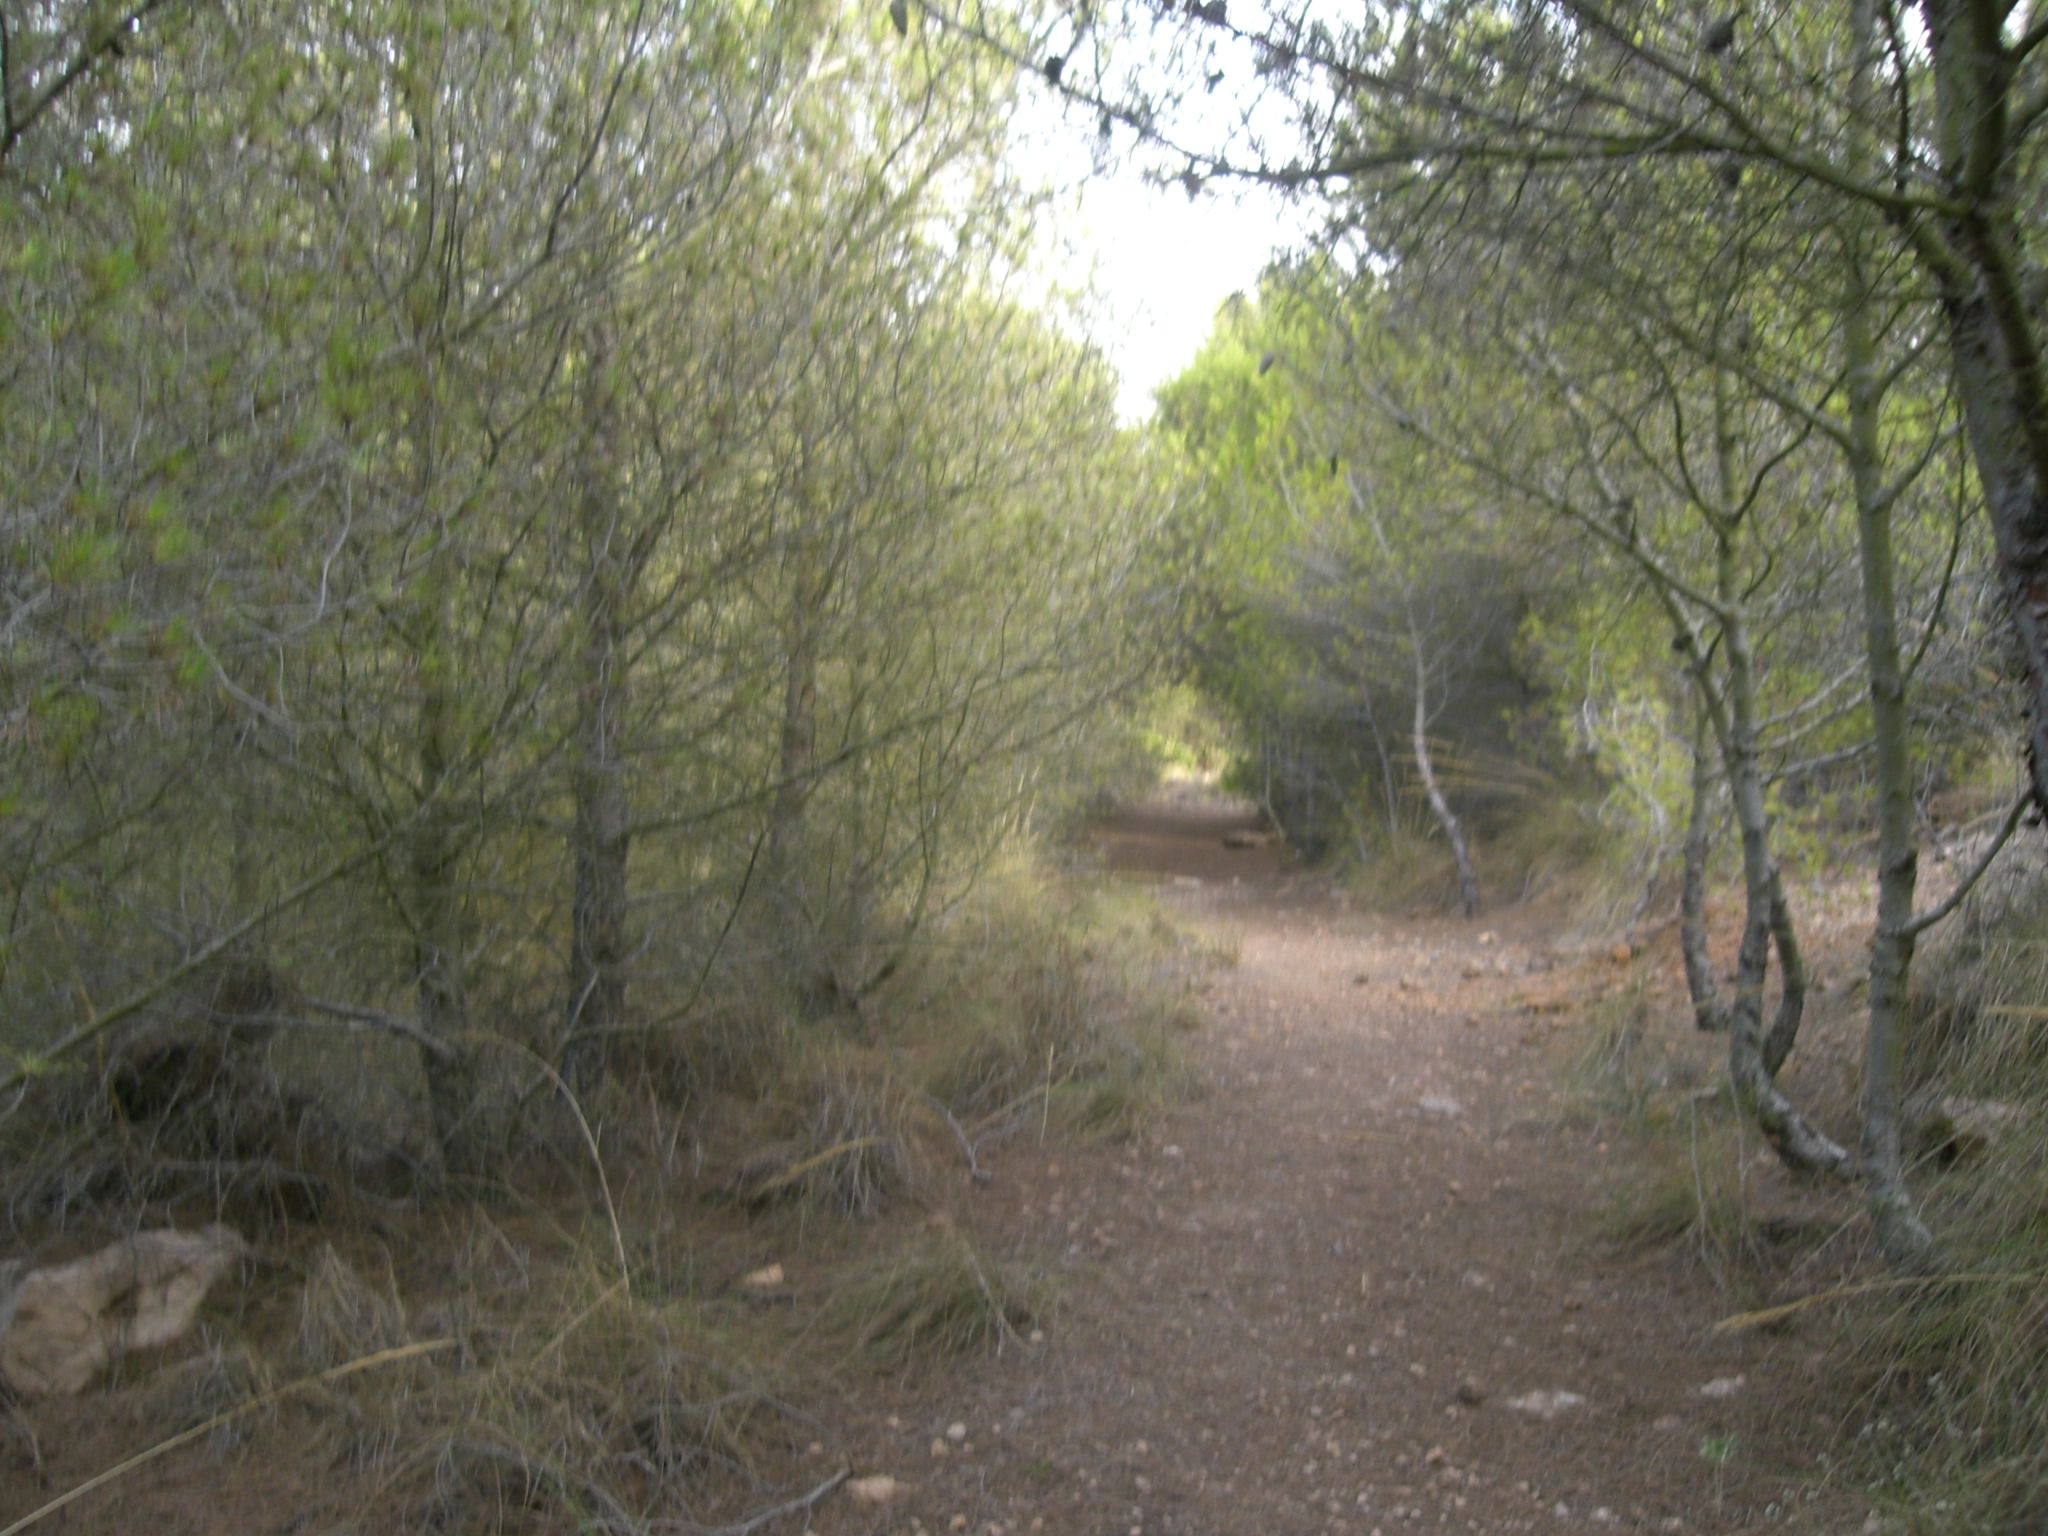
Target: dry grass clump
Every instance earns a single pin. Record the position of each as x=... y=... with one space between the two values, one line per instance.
x=1688 y=1189
x=854 y=1149
x=1067 y=1003
x=1682 y=1181
x=1527 y=844
x=1959 y=1368
x=573 y=1405
x=940 y=1297
x=1632 y=1065
x=1959 y=1437
x=342 y=1315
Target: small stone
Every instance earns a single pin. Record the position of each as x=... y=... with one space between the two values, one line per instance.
x=956 y=1432
x=1435 y=1456
x=1470 y=1393
x=881 y=1488
x=1722 y=1386
x=939 y=1449
x=1546 y=1405
x=957 y=1523
x=1441 y=1104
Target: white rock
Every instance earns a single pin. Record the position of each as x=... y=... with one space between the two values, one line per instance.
x=1722 y=1386
x=1441 y=1104
x=876 y=1490
x=61 y=1326
x=1545 y=1405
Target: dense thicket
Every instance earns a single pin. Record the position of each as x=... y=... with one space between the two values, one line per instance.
x=521 y=520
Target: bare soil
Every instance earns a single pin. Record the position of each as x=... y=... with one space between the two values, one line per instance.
x=1331 y=1294
x=1356 y=1284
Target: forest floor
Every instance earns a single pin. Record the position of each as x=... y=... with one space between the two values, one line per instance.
x=1357 y=1282
x=1357 y=1285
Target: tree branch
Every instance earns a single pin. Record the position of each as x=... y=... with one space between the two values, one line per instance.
x=1927 y=920
x=97 y=46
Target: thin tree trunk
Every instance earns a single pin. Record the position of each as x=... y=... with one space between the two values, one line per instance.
x=1454 y=832
x=436 y=844
x=435 y=856
x=797 y=748
x=1903 y=1237
x=796 y=927
x=1784 y=1031
x=598 y=944
x=1799 y=1143
x=1709 y=1011
x=1753 y=1057
x=1390 y=803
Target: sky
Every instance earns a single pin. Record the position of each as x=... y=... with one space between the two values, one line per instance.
x=1162 y=265
x=1159 y=263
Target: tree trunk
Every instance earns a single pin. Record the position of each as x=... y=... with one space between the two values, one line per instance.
x=795 y=923
x=2016 y=500
x=794 y=764
x=1798 y=1143
x=1709 y=1011
x=1995 y=323
x=1784 y=1031
x=1389 y=802
x=1454 y=832
x=598 y=944
x=435 y=857
x=434 y=851
x=1903 y=1237
x=797 y=750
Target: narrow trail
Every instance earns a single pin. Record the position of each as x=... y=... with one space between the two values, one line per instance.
x=1331 y=1293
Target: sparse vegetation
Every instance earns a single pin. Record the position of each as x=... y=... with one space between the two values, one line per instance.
x=938 y=1297
x=568 y=593
x=1958 y=1436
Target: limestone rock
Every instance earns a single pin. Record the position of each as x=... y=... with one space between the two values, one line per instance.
x=61 y=1326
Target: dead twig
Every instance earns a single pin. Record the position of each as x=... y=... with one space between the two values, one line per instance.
x=801 y=1505
x=795 y=1171
x=975 y=1171
x=1763 y=1318
x=227 y=1416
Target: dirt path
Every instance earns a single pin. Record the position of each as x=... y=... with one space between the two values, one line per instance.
x=1341 y=1290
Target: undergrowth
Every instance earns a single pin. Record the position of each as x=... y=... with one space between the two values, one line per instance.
x=1681 y=1179
x=1958 y=1370
x=1524 y=850
x=579 y=1340
x=939 y=1296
